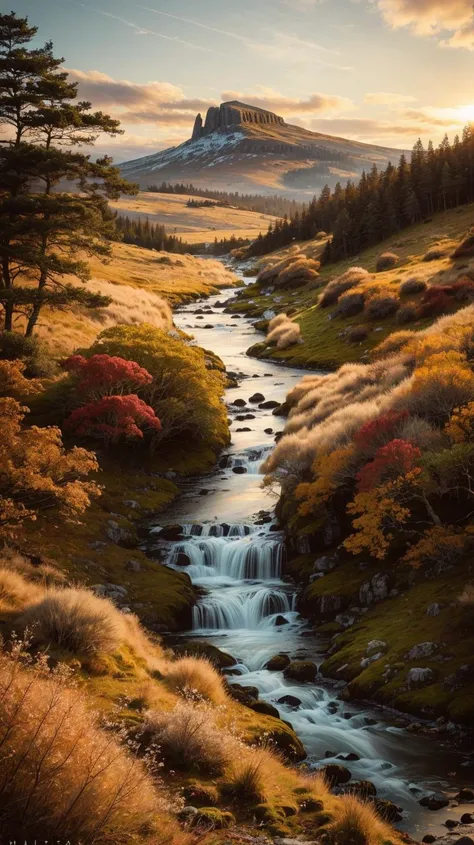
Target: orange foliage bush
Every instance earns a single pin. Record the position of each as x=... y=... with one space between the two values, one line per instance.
x=37 y=472
x=330 y=471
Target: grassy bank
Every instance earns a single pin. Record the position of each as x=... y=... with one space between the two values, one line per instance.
x=327 y=338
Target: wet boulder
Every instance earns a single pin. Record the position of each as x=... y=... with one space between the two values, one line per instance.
x=239 y=470
x=301 y=670
x=336 y=775
x=197 y=649
x=280 y=620
x=465 y=795
x=277 y=663
x=171 y=532
x=269 y=405
x=387 y=810
x=239 y=403
x=182 y=559
x=435 y=801
x=290 y=701
x=265 y=708
x=363 y=789
x=257 y=397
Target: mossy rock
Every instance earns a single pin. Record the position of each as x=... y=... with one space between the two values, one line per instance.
x=277 y=663
x=265 y=708
x=267 y=814
x=285 y=739
x=214 y=818
x=217 y=657
x=301 y=670
x=200 y=794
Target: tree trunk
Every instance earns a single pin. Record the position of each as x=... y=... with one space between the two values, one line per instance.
x=33 y=319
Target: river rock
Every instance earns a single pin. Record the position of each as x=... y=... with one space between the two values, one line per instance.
x=465 y=795
x=268 y=430
x=265 y=708
x=387 y=810
x=301 y=670
x=435 y=801
x=280 y=620
x=243 y=429
x=429 y=839
x=336 y=775
x=345 y=620
x=467 y=818
x=451 y=824
x=422 y=650
x=363 y=788
x=418 y=677
x=218 y=658
x=239 y=403
x=257 y=397
x=239 y=470
x=183 y=559
x=171 y=532
x=375 y=590
x=290 y=700
x=277 y=663
x=269 y=405
x=349 y=758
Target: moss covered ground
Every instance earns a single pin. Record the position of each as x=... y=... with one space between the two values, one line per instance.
x=325 y=339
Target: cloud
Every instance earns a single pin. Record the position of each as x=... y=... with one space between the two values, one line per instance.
x=132 y=102
x=267 y=98
x=451 y=21
x=385 y=98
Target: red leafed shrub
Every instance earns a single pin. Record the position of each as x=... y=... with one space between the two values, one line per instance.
x=391 y=461
x=113 y=418
x=105 y=375
x=379 y=431
x=437 y=300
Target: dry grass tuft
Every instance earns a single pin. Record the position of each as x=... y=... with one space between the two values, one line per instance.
x=196 y=677
x=357 y=824
x=386 y=261
x=466 y=598
x=246 y=783
x=131 y=306
x=82 y=623
x=283 y=332
x=62 y=774
x=341 y=284
x=16 y=592
x=189 y=739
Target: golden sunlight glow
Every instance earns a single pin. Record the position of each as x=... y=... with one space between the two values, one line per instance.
x=466 y=113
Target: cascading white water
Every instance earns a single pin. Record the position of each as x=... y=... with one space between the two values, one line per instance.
x=243 y=559
x=241 y=569
x=241 y=607
x=251 y=461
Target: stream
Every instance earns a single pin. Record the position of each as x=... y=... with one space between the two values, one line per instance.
x=233 y=552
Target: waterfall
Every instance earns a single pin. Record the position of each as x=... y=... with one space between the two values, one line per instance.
x=251 y=460
x=243 y=607
x=242 y=559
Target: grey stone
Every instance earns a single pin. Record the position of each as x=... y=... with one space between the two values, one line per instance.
x=433 y=609
x=375 y=590
x=422 y=650
x=376 y=645
x=324 y=564
x=133 y=566
x=344 y=620
x=121 y=535
x=418 y=677
x=366 y=661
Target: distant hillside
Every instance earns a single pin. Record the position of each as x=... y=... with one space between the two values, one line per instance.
x=195 y=225
x=240 y=147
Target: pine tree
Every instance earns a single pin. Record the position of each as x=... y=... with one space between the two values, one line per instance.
x=47 y=233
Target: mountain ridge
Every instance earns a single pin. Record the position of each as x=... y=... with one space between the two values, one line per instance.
x=243 y=147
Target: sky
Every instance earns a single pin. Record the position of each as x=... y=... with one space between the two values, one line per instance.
x=379 y=71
